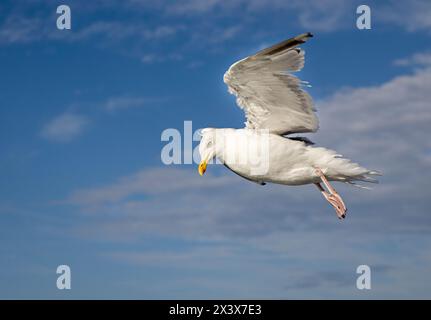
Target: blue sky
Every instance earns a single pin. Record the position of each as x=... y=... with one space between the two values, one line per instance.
x=82 y=182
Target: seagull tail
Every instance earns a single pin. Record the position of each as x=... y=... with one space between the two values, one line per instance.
x=342 y=169
x=369 y=176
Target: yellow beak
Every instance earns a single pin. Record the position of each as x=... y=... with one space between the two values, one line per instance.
x=202 y=167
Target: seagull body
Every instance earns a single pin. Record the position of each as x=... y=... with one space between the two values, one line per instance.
x=290 y=162
x=276 y=106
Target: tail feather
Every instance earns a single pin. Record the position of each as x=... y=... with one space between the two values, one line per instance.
x=342 y=169
x=367 y=177
x=357 y=185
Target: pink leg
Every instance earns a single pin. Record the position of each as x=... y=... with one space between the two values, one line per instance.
x=332 y=197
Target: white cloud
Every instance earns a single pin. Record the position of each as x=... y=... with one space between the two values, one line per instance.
x=386 y=126
x=120 y=30
x=70 y=125
x=192 y=7
x=317 y=16
x=207 y=27
x=418 y=59
x=412 y=15
x=325 y=15
x=156 y=181
x=150 y=58
x=65 y=127
x=17 y=29
x=26 y=28
x=120 y=103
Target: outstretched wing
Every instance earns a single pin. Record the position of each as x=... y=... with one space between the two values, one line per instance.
x=270 y=96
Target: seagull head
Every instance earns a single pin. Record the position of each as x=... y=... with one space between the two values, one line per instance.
x=207 y=148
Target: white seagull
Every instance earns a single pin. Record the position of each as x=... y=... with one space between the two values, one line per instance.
x=275 y=106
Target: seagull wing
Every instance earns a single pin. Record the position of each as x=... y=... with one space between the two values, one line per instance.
x=271 y=97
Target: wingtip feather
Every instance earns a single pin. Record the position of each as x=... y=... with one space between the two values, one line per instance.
x=285 y=45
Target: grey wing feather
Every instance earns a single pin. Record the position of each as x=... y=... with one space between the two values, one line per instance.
x=271 y=97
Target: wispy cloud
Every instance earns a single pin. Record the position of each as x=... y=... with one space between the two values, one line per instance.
x=324 y=15
x=193 y=7
x=122 y=30
x=150 y=58
x=418 y=59
x=19 y=29
x=163 y=180
x=197 y=24
x=412 y=16
x=115 y=104
x=65 y=127
x=385 y=126
x=71 y=124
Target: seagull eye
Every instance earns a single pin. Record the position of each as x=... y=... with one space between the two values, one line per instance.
x=210 y=143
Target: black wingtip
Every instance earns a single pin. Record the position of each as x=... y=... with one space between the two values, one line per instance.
x=304 y=36
x=284 y=45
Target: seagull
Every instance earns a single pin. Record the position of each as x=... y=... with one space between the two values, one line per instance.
x=276 y=106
